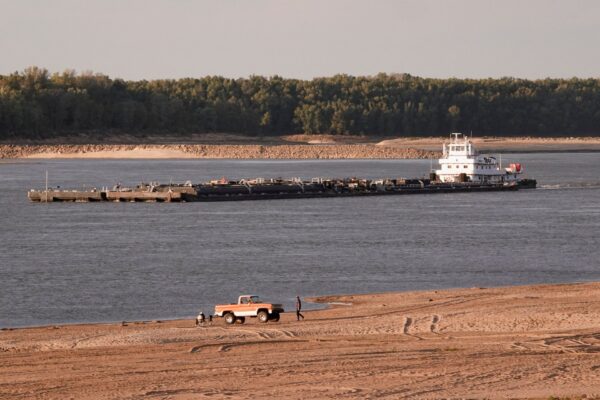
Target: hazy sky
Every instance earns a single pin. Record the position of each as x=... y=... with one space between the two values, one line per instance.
x=147 y=39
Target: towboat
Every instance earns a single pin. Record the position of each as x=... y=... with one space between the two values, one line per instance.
x=462 y=163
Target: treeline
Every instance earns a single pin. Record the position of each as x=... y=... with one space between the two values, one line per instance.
x=36 y=104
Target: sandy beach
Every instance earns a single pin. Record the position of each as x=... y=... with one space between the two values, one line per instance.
x=224 y=146
x=514 y=342
x=504 y=144
x=212 y=151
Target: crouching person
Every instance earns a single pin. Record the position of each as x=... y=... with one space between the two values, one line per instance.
x=200 y=319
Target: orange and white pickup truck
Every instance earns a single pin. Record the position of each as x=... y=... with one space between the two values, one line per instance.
x=248 y=306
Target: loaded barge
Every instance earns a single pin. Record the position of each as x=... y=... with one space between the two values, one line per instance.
x=461 y=170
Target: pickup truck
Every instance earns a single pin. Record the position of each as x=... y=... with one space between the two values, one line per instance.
x=248 y=306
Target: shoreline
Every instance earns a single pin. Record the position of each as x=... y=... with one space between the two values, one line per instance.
x=306 y=302
x=318 y=300
x=283 y=147
x=262 y=152
x=531 y=341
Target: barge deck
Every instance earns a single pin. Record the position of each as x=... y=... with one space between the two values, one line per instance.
x=271 y=189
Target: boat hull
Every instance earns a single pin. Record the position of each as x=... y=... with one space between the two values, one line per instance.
x=264 y=192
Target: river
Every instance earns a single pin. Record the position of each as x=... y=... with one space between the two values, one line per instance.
x=78 y=262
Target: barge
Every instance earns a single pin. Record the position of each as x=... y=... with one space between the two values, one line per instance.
x=462 y=170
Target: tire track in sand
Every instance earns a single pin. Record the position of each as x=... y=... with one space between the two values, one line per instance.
x=408 y=322
x=224 y=347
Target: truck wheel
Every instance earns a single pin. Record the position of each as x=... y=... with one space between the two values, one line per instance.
x=275 y=317
x=240 y=320
x=263 y=316
x=230 y=318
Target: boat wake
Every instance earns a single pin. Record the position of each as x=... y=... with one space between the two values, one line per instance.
x=574 y=185
x=550 y=187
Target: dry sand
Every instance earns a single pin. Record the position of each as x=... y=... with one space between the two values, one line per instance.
x=517 y=342
x=212 y=151
x=504 y=144
x=133 y=153
x=229 y=146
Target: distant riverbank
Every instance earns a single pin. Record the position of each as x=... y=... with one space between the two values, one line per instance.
x=223 y=146
x=505 y=144
x=166 y=151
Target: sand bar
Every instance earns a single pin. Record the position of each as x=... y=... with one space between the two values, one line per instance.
x=211 y=151
x=504 y=144
x=222 y=146
x=517 y=342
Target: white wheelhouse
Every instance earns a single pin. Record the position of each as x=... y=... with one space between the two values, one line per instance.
x=462 y=162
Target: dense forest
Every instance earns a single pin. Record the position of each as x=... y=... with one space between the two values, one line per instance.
x=36 y=104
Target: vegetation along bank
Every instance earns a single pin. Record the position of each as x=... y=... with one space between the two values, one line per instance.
x=37 y=104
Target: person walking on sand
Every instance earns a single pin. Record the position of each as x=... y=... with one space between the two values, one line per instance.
x=298 y=308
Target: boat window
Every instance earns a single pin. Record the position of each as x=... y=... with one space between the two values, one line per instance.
x=449 y=166
x=465 y=166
